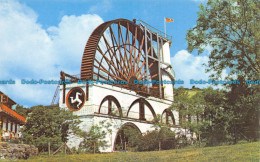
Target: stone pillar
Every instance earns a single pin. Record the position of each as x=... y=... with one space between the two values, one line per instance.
x=168 y=88
x=166 y=53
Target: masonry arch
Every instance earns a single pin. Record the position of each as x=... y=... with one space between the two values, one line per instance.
x=142 y=110
x=124 y=135
x=168 y=117
x=110 y=105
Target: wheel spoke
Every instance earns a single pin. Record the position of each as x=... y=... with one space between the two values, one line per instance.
x=118 y=45
x=104 y=67
x=140 y=52
x=139 y=71
x=115 y=51
x=124 y=44
x=151 y=77
x=129 y=47
x=111 y=63
x=147 y=68
x=115 y=77
x=134 y=50
x=110 y=49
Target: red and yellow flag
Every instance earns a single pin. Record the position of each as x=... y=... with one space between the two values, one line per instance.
x=169 y=20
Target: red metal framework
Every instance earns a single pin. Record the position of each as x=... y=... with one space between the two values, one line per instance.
x=118 y=50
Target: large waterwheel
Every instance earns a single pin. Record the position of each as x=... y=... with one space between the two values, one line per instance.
x=118 y=50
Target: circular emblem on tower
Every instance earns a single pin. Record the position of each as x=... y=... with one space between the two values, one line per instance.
x=75 y=99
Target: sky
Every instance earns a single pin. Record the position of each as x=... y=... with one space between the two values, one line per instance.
x=39 y=38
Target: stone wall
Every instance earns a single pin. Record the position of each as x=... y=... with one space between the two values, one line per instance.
x=16 y=151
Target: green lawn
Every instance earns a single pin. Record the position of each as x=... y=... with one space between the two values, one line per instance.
x=239 y=152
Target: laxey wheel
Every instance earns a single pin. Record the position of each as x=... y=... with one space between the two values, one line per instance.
x=115 y=51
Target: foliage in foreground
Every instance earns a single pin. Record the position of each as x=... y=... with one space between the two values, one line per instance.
x=239 y=152
x=230 y=28
x=217 y=116
x=93 y=140
x=47 y=125
x=159 y=139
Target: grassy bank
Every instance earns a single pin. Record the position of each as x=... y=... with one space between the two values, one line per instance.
x=239 y=152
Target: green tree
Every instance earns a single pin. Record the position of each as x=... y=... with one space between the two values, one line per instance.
x=47 y=124
x=231 y=29
x=245 y=105
x=217 y=117
x=163 y=138
x=204 y=113
x=128 y=138
x=191 y=105
x=22 y=110
x=159 y=139
x=94 y=139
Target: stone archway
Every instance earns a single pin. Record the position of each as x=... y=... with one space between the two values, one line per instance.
x=168 y=117
x=111 y=101
x=122 y=137
x=141 y=109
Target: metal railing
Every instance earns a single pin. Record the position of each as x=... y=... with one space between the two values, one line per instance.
x=154 y=30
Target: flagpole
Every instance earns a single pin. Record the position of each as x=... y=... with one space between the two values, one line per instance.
x=164 y=27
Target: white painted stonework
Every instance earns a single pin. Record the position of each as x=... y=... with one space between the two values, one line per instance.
x=91 y=115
